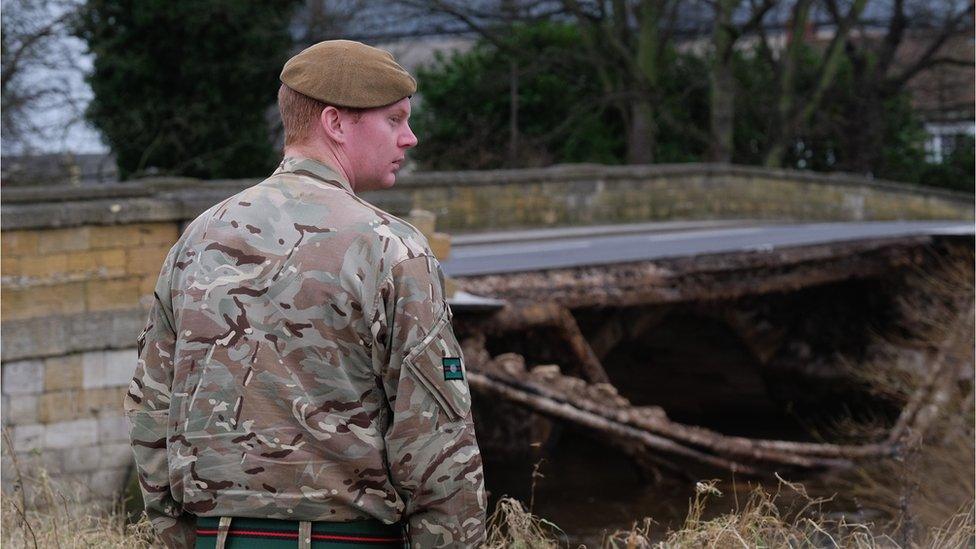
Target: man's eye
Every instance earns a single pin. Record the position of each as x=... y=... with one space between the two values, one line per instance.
x=395 y=119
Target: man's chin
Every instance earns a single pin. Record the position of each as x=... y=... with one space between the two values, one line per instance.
x=377 y=185
x=387 y=181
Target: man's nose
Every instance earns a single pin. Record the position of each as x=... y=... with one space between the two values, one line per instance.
x=408 y=139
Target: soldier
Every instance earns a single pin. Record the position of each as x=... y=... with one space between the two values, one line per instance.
x=299 y=381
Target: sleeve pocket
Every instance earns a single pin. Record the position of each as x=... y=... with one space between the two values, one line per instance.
x=438 y=365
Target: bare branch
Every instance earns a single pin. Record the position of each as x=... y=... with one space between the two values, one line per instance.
x=951 y=28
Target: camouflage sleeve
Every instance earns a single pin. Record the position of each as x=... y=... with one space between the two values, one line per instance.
x=433 y=454
x=147 y=410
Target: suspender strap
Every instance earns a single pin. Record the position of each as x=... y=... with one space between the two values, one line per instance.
x=222 y=530
x=304 y=535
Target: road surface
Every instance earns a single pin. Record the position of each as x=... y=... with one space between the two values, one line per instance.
x=509 y=252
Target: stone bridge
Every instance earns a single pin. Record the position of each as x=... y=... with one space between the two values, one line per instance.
x=79 y=263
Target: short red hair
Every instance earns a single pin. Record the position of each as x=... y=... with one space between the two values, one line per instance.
x=299 y=111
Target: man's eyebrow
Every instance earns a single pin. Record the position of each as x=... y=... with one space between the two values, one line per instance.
x=400 y=112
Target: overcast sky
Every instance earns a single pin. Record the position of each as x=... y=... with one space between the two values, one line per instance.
x=368 y=20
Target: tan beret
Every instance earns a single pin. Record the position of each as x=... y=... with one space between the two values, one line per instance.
x=348 y=74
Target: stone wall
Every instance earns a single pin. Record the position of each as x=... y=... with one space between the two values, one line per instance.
x=506 y=199
x=79 y=264
x=73 y=300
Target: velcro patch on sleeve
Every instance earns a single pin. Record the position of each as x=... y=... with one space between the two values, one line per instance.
x=452 y=368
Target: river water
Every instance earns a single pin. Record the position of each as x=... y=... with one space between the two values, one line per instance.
x=590 y=490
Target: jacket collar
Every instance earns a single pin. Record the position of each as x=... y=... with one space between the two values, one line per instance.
x=314 y=169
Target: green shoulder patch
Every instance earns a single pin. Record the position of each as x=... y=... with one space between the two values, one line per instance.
x=452 y=368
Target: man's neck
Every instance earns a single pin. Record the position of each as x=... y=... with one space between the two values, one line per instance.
x=327 y=157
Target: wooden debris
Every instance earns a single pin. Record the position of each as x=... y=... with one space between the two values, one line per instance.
x=646 y=432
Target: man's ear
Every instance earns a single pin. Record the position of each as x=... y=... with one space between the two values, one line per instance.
x=331 y=122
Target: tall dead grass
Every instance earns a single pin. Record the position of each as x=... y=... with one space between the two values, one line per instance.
x=764 y=520
x=39 y=511
x=928 y=486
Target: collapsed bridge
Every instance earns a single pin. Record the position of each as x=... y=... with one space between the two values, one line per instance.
x=643 y=335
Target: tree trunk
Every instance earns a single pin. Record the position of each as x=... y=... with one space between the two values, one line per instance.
x=643 y=130
x=513 y=110
x=794 y=112
x=640 y=142
x=722 y=93
x=781 y=133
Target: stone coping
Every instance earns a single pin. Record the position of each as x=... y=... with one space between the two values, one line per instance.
x=176 y=199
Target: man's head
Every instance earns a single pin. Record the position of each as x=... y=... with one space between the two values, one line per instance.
x=348 y=103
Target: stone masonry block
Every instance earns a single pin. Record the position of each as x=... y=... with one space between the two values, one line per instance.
x=18 y=243
x=440 y=244
x=32 y=462
x=34 y=302
x=107 y=398
x=119 y=368
x=113 y=456
x=81 y=459
x=108 y=482
x=115 y=236
x=159 y=233
x=104 y=399
x=63 y=372
x=28 y=437
x=62 y=240
x=21 y=409
x=112 y=427
x=126 y=327
x=33 y=337
x=423 y=220
x=112 y=295
x=101 y=263
x=91 y=331
x=24 y=377
x=60 y=406
x=93 y=369
x=148 y=285
x=9 y=266
x=146 y=260
x=44 y=266
x=6 y=471
x=69 y=434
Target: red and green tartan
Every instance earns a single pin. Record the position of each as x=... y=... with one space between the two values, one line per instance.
x=246 y=533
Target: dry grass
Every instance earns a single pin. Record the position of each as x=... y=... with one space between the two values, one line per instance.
x=37 y=510
x=762 y=521
x=42 y=512
x=929 y=486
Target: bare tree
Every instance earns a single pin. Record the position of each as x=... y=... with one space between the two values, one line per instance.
x=624 y=40
x=909 y=44
x=726 y=34
x=795 y=105
x=41 y=82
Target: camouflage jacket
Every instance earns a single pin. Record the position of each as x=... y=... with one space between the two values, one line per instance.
x=299 y=363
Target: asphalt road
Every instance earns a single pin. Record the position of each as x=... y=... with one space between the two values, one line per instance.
x=557 y=248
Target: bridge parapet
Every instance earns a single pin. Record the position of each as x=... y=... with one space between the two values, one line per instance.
x=467 y=201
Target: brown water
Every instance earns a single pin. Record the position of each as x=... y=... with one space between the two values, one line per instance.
x=590 y=490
